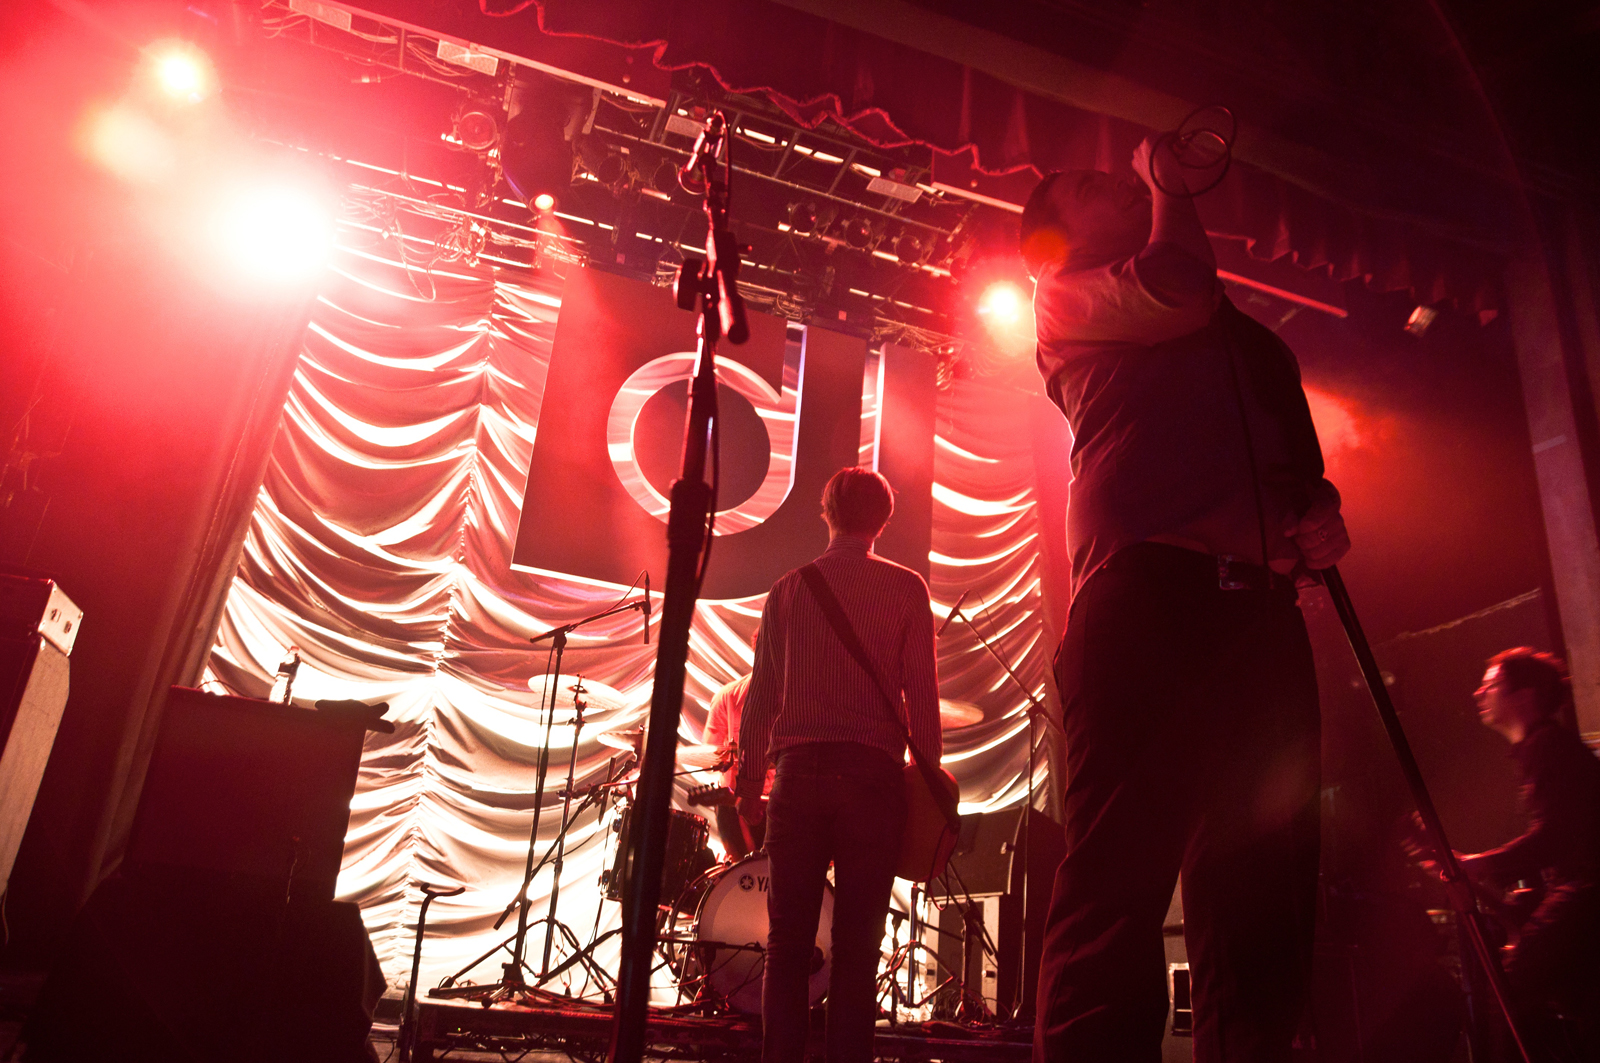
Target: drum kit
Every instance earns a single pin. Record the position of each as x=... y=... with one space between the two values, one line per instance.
x=712 y=923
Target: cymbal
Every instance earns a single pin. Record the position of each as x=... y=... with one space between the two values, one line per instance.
x=690 y=755
x=631 y=740
x=954 y=714
x=697 y=756
x=597 y=696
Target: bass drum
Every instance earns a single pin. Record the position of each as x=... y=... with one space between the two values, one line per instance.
x=730 y=932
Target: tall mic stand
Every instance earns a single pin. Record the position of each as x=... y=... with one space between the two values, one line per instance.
x=1457 y=887
x=513 y=984
x=1036 y=713
x=709 y=287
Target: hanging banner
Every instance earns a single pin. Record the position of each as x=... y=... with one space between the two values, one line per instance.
x=610 y=439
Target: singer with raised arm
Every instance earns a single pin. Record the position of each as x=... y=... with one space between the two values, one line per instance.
x=1188 y=695
x=839 y=792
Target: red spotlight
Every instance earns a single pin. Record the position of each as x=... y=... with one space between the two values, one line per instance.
x=275 y=233
x=544 y=202
x=1002 y=303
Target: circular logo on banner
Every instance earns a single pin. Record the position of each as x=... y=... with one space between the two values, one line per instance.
x=778 y=415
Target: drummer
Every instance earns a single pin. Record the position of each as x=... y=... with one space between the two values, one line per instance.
x=739 y=836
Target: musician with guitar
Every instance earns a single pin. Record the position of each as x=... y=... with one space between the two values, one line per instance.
x=844 y=676
x=1551 y=962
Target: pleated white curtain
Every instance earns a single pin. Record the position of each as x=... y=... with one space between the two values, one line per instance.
x=380 y=547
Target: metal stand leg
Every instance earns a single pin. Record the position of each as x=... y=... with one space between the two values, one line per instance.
x=1457 y=886
x=408 y=1021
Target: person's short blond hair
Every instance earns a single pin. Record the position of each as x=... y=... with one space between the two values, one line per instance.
x=857 y=501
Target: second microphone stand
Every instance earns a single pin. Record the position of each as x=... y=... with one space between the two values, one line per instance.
x=1036 y=713
x=513 y=983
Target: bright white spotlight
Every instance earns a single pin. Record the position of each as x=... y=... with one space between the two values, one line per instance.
x=181 y=70
x=127 y=142
x=544 y=203
x=1002 y=303
x=275 y=233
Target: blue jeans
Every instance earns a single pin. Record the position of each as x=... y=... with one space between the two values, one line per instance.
x=844 y=804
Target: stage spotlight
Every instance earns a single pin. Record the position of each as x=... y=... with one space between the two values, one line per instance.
x=908 y=247
x=542 y=121
x=665 y=177
x=475 y=128
x=1421 y=320
x=280 y=233
x=1002 y=303
x=181 y=71
x=803 y=217
x=611 y=170
x=858 y=232
x=544 y=202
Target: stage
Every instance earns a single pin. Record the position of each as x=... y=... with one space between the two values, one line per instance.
x=581 y=1031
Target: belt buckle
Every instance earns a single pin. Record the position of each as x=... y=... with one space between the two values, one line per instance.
x=1227 y=579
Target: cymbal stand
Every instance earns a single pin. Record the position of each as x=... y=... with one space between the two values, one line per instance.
x=513 y=984
x=905 y=956
x=594 y=794
x=1036 y=713
x=550 y=921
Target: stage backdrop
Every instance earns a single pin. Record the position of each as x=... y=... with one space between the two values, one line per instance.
x=382 y=547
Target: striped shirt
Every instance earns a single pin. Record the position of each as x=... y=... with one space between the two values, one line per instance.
x=807 y=688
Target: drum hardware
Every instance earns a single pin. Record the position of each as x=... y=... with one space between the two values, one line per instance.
x=904 y=956
x=686 y=839
x=498 y=991
x=513 y=983
x=726 y=954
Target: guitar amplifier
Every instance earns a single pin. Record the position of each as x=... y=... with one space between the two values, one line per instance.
x=38 y=624
x=31 y=606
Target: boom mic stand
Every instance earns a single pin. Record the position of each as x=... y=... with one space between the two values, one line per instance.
x=513 y=984
x=710 y=287
x=1457 y=887
x=1036 y=712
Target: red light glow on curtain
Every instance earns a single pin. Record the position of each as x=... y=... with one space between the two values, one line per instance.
x=380 y=547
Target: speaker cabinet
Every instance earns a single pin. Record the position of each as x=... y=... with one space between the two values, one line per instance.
x=33 y=694
x=251 y=791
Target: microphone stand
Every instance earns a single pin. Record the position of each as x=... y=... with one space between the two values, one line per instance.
x=708 y=286
x=1458 y=888
x=1036 y=712
x=513 y=984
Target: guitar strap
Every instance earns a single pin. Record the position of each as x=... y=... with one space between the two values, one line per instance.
x=840 y=622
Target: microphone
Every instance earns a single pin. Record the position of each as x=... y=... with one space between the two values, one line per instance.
x=706 y=148
x=647 y=607
x=953 y=610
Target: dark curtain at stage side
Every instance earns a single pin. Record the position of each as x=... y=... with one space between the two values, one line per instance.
x=381 y=546
x=152 y=410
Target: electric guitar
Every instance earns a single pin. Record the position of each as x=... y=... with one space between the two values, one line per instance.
x=714 y=795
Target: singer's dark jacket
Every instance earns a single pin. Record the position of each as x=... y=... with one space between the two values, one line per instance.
x=1150 y=361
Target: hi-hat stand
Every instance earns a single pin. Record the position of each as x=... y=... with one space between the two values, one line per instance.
x=1458 y=888
x=513 y=983
x=709 y=286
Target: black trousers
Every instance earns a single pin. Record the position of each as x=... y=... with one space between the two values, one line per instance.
x=844 y=804
x=1192 y=745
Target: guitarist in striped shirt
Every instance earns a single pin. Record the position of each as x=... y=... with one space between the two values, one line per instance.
x=839 y=793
